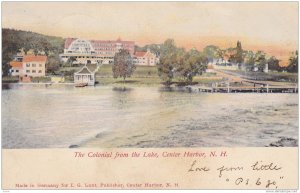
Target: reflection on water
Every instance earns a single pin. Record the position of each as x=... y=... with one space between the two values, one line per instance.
x=122 y=89
x=39 y=116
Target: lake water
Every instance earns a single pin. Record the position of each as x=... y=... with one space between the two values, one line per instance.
x=40 y=116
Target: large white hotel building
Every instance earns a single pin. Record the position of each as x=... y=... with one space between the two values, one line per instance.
x=103 y=51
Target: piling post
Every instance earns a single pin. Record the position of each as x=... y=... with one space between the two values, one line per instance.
x=296 y=88
x=267 y=88
x=228 y=90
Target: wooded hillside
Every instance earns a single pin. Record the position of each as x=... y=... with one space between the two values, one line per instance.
x=15 y=40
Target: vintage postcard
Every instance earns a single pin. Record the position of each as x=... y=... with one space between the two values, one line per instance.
x=150 y=95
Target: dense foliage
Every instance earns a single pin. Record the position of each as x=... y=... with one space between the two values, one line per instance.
x=176 y=62
x=123 y=66
x=293 y=62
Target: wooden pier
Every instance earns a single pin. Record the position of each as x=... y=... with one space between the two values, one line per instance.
x=256 y=88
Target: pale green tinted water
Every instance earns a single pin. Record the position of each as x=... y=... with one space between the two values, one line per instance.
x=60 y=116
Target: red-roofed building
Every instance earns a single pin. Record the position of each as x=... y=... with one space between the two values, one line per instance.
x=16 y=68
x=139 y=54
x=33 y=58
x=34 y=66
x=145 y=58
x=31 y=66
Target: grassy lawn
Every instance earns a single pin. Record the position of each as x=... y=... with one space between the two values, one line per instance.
x=146 y=75
x=132 y=80
x=67 y=69
x=143 y=75
x=140 y=71
x=207 y=79
x=270 y=76
x=105 y=70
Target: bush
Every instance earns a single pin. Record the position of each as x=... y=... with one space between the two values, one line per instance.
x=41 y=79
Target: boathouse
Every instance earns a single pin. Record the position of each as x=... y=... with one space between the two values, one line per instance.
x=86 y=75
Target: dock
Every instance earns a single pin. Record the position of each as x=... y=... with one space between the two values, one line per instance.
x=255 y=88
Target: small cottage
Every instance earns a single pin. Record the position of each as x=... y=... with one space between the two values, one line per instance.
x=86 y=75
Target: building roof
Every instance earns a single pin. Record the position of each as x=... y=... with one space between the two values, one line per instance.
x=32 y=58
x=87 y=69
x=68 y=42
x=95 y=43
x=111 y=41
x=140 y=54
x=83 y=70
x=92 y=67
x=16 y=64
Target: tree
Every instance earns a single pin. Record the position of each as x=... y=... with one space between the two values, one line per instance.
x=176 y=62
x=123 y=66
x=45 y=46
x=239 y=54
x=53 y=63
x=250 y=61
x=26 y=45
x=293 y=62
x=180 y=63
x=194 y=63
x=260 y=60
x=273 y=64
x=167 y=62
x=10 y=47
x=211 y=51
x=220 y=54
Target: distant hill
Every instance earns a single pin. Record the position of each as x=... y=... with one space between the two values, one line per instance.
x=31 y=40
x=14 y=41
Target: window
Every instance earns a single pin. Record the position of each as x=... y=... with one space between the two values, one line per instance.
x=33 y=71
x=28 y=65
x=12 y=70
x=28 y=71
x=40 y=65
x=33 y=65
x=17 y=70
x=40 y=71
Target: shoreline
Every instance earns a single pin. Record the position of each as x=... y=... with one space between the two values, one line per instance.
x=196 y=88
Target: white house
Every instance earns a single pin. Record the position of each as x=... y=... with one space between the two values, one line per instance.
x=34 y=66
x=145 y=58
x=86 y=75
x=29 y=65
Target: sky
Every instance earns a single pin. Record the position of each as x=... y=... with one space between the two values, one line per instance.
x=268 y=26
